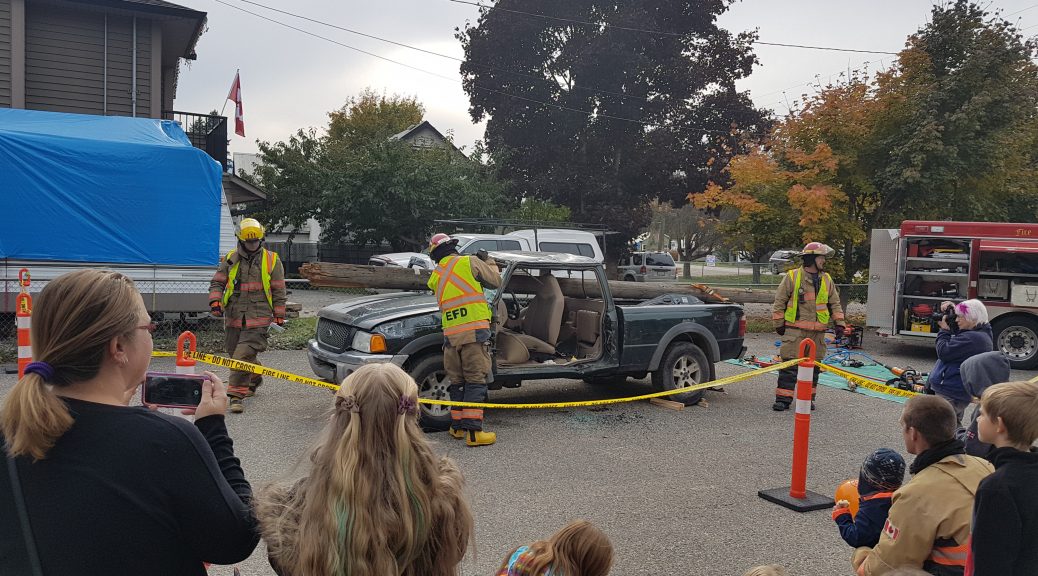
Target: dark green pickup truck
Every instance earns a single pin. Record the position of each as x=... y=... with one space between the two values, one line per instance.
x=554 y=318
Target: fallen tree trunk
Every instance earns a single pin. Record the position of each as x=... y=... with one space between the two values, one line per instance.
x=334 y=275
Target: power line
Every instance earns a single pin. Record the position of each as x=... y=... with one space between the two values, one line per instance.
x=457 y=81
x=1019 y=11
x=659 y=32
x=438 y=54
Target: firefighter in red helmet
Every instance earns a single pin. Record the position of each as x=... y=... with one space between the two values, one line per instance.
x=805 y=303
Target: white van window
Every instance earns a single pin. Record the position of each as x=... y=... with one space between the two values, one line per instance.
x=488 y=245
x=568 y=248
x=509 y=245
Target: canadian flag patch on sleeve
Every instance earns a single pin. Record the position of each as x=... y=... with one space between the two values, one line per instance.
x=890 y=530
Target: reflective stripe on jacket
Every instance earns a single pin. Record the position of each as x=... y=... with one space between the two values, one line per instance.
x=251 y=290
x=463 y=308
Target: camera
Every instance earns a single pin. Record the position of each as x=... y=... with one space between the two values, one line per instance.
x=949 y=316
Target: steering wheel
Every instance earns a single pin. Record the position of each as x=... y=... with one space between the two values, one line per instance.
x=513 y=307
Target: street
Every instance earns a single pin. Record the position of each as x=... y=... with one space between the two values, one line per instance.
x=676 y=491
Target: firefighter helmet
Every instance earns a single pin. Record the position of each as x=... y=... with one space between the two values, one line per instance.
x=438 y=239
x=816 y=248
x=249 y=229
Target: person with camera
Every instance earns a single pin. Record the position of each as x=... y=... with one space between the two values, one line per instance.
x=805 y=302
x=91 y=485
x=248 y=291
x=964 y=332
x=465 y=315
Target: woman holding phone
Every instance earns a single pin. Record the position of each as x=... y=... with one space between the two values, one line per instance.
x=91 y=485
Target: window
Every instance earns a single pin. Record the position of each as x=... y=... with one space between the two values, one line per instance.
x=659 y=259
x=568 y=248
x=488 y=245
x=509 y=245
x=637 y=259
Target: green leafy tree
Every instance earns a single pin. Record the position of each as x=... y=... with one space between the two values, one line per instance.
x=534 y=210
x=372 y=117
x=293 y=175
x=589 y=114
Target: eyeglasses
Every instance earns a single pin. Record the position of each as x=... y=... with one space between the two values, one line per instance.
x=150 y=327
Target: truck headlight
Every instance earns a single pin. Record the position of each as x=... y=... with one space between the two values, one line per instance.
x=367 y=342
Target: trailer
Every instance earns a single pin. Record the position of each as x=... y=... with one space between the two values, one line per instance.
x=916 y=267
x=125 y=194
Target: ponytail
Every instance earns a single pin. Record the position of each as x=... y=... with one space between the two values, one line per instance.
x=33 y=418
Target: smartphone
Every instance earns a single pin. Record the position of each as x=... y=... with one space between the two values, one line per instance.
x=172 y=390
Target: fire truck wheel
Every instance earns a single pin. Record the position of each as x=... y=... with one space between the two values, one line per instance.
x=1017 y=338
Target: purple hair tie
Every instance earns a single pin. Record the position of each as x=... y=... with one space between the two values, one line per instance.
x=407 y=405
x=44 y=370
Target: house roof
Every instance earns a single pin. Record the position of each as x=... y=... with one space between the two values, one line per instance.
x=240 y=191
x=414 y=129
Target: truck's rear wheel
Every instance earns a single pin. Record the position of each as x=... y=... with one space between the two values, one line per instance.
x=1017 y=338
x=683 y=364
x=432 y=382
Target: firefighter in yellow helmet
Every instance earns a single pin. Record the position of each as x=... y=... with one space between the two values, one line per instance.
x=248 y=291
x=805 y=302
x=465 y=315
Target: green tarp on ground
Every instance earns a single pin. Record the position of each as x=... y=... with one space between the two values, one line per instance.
x=876 y=373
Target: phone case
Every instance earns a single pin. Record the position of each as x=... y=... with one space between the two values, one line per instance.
x=144 y=388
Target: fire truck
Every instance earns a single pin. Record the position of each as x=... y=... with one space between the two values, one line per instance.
x=915 y=268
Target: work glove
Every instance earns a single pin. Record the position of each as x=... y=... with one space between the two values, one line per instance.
x=279 y=321
x=780 y=330
x=215 y=309
x=839 y=330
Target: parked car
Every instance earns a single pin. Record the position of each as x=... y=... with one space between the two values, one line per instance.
x=562 y=241
x=781 y=259
x=544 y=326
x=647 y=267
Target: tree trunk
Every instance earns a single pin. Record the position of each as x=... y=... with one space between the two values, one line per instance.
x=334 y=275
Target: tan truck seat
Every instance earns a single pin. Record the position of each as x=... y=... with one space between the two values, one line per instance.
x=543 y=319
x=588 y=325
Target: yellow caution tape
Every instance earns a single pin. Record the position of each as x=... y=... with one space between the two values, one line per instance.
x=257 y=369
x=868 y=384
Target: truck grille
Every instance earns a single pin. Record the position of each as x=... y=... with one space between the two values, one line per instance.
x=333 y=336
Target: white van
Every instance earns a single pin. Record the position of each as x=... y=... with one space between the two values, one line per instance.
x=576 y=242
x=472 y=243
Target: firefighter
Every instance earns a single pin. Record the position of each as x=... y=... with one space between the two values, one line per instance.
x=458 y=283
x=805 y=302
x=248 y=291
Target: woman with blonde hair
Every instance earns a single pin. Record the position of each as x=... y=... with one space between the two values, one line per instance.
x=94 y=486
x=376 y=501
x=578 y=549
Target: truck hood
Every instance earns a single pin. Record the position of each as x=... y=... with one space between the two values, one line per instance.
x=370 y=311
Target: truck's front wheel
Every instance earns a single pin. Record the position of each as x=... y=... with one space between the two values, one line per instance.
x=432 y=382
x=683 y=364
x=1017 y=338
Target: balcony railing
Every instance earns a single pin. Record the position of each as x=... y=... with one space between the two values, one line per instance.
x=205 y=131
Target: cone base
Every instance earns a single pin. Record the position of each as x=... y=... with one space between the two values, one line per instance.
x=811 y=501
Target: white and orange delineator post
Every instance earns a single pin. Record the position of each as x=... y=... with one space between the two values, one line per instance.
x=797 y=497
x=185 y=363
x=23 y=319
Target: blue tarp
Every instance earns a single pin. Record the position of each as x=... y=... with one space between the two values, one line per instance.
x=84 y=188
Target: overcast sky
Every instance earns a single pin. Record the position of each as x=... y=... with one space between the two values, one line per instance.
x=291 y=80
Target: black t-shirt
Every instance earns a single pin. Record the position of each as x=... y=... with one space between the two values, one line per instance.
x=131 y=491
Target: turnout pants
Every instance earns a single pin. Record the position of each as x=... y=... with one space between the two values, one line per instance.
x=467 y=367
x=244 y=344
x=787 y=377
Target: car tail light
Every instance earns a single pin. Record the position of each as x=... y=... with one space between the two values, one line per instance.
x=643 y=270
x=742 y=327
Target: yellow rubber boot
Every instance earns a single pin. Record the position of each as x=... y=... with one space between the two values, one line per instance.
x=456 y=432
x=480 y=438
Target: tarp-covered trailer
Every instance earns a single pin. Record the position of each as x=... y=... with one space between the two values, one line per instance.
x=126 y=194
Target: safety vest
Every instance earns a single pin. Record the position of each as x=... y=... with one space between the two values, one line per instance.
x=821 y=302
x=460 y=296
x=270 y=259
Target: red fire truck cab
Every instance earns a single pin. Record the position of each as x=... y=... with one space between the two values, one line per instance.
x=913 y=269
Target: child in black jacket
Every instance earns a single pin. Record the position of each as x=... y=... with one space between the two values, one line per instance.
x=1005 y=512
x=881 y=474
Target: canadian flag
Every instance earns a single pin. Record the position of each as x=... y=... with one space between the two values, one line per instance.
x=239 y=116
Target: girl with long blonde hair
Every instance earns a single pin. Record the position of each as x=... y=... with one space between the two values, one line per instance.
x=376 y=501
x=578 y=549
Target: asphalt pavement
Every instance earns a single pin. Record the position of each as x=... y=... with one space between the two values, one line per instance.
x=676 y=491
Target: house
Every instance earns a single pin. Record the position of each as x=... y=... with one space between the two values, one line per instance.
x=111 y=58
x=309 y=233
x=423 y=135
